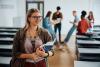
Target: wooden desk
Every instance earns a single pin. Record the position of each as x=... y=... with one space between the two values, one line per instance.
x=6 y=40
x=8 y=30
x=5 y=34
x=88 y=43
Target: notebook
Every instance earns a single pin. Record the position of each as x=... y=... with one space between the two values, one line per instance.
x=48 y=46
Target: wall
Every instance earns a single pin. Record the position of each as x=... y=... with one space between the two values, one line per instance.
x=12 y=13
x=21 y=13
x=7 y=12
x=96 y=10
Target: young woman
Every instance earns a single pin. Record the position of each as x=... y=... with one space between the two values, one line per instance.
x=91 y=20
x=27 y=50
x=47 y=24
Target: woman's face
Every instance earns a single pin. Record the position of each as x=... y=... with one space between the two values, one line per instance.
x=90 y=13
x=35 y=19
x=74 y=13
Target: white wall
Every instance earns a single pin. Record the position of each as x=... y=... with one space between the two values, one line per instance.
x=12 y=13
x=96 y=10
x=68 y=6
x=7 y=12
x=21 y=13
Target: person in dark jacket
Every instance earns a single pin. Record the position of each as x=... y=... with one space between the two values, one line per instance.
x=57 y=18
x=27 y=45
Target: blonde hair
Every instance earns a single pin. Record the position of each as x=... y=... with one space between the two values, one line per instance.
x=29 y=14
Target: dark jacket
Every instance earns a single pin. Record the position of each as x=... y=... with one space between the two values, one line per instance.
x=18 y=46
x=55 y=16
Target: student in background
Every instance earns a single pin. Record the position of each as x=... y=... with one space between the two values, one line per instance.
x=72 y=29
x=83 y=25
x=47 y=24
x=27 y=50
x=57 y=18
x=91 y=20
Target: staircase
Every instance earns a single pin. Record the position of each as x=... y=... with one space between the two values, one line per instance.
x=89 y=46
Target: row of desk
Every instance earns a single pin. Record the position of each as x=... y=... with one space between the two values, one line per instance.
x=6 y=39
x=89 y=46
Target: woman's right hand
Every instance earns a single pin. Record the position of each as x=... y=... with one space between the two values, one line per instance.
x=34 y=56
x=40 y=52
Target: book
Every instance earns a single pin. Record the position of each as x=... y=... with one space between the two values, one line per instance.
x=48 y=46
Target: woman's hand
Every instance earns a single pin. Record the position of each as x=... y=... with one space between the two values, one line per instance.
x=40 y=52
x=34 y=56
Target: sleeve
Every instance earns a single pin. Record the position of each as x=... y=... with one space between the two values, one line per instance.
x=46 y=23
x=47 y=36
x=16 y=45
x=61 y=15
x=78 y=27
x=54 y=16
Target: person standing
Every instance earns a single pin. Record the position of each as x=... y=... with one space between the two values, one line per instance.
x=72 y=29
x=47 y=24
x=27 y=50
x=57 y=18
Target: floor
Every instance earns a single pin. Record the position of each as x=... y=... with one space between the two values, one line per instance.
x=64 y=57
x=67 y=57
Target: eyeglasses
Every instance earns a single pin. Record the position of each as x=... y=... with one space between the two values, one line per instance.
x=37 y=17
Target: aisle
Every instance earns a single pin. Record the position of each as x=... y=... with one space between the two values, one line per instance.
x=62 y=58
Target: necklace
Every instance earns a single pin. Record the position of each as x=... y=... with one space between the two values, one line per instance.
x=32 y=33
